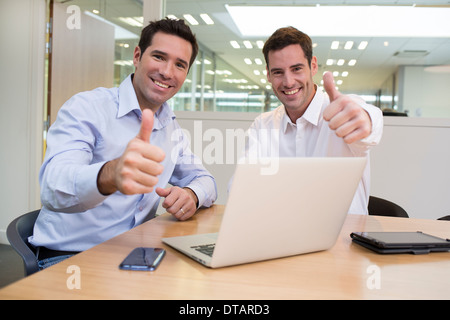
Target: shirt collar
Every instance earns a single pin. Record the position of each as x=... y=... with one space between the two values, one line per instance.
x=163 y=116
x=312 y=113
x=128 y=102
x=127 y=98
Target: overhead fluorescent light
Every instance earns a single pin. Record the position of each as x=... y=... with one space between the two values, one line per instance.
x=372 y=21
x=248 y=61
x=363 y=45
x=123 y=63
x=191 y=19
x=206 y=18
x=352 y=62
x=348 y=45
x=248 y=44
x=258 y=61
x=235 y=44
x=133 y=21
x=335 y=45
x=340 y=62
x=260 y=44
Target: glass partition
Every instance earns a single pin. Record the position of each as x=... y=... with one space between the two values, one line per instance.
x=403 y=75
x=214 y=85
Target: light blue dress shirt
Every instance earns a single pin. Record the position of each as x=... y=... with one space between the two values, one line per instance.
x=92 y=128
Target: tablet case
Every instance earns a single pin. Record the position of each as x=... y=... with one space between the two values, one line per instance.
x=441 y=245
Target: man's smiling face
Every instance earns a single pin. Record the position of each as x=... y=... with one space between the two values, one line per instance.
x=291 y=77
x=161 y=69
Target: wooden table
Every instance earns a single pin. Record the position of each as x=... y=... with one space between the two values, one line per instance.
x=347 y=271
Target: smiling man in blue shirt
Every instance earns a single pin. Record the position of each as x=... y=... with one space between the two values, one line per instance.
x=112 y=152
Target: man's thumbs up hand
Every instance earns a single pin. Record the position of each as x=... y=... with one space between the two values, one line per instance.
x=345 y=116
x=146 y=125
x=330 y=87
x=136 y=171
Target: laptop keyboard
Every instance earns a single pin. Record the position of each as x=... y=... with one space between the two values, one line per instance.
x=205 y=248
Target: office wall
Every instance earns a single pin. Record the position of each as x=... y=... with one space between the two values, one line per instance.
x=22 y=30
x=82 y=56
x=424 y=93
x=409 y=167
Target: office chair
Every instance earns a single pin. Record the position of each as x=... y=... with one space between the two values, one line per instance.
x=17 y=233
x=382 y=207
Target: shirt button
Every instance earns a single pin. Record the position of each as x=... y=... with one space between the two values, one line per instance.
x=141 y=208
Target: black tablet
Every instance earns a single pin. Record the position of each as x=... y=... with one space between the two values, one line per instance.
x=401 y=242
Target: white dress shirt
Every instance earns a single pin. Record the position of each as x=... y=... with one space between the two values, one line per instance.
x=273 y=134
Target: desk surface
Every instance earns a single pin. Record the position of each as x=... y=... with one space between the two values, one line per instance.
x=347 y=271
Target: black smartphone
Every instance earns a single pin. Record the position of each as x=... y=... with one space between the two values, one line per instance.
x=401 y=242
x=144 y=259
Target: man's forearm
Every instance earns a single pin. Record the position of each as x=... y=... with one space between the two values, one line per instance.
x=105 y=179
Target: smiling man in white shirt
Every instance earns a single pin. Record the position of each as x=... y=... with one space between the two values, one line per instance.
x=310 y=123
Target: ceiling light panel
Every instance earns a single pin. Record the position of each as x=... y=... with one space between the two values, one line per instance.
x=372 y=21
x=207 y=19
x=191 y=19
x=363 y=45
x=348 y=45
x=235 y=44
x=248 y=44
x=335 y=45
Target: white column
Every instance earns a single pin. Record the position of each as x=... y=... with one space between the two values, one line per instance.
x=153 y=10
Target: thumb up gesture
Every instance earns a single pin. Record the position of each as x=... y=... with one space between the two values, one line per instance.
x=344 y=115
x=137 y=169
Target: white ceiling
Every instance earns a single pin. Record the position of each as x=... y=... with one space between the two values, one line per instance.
x=375 y=65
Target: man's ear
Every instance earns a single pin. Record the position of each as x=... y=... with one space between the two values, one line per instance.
x=136 y=56
x=314 y=66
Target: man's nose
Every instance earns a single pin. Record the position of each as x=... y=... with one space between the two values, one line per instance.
x=166 y=71
x=288 y=80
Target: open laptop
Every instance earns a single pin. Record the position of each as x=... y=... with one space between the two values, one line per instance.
x=277 y=208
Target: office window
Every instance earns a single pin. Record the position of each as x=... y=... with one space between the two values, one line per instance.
x=214 y=85
x=405 y=73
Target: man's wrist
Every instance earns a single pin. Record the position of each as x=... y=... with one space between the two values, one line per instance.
x=105 y=179
x=193 y=195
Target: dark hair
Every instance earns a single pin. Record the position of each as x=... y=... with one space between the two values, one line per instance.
x=172 y=27
x=284 y=37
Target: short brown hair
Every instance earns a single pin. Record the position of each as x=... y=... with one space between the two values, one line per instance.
x=169 y=26
x=284 y=37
